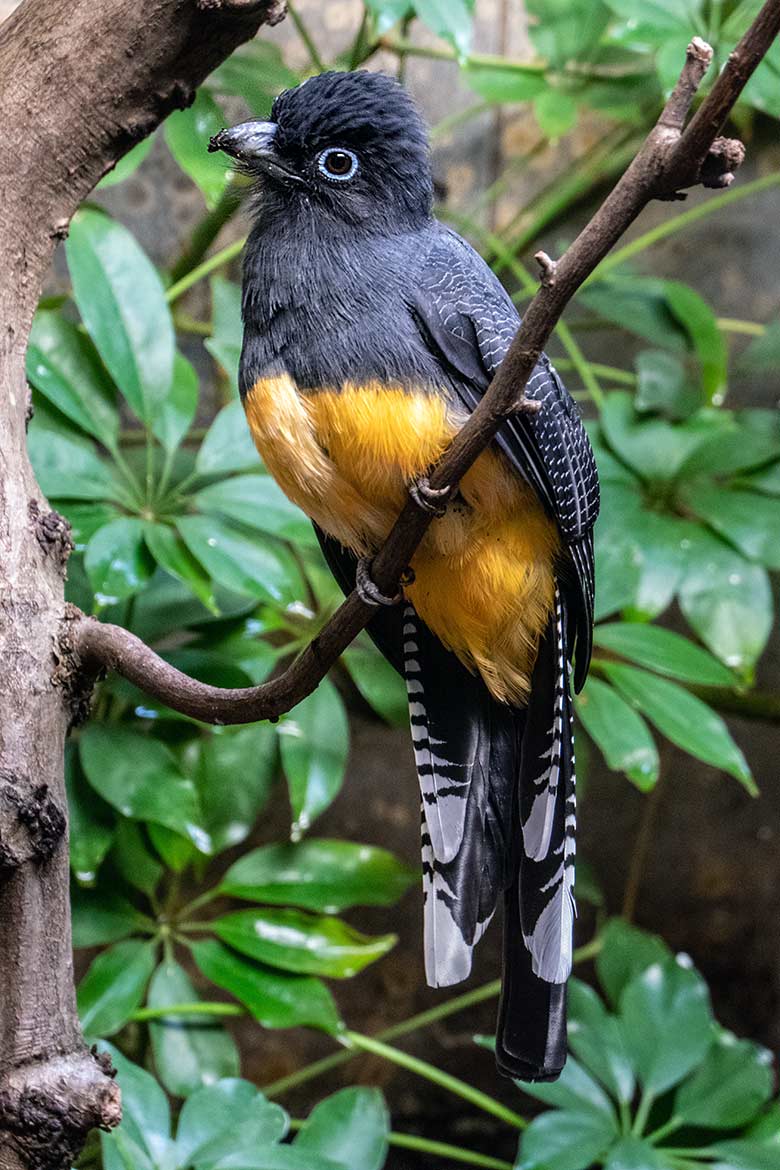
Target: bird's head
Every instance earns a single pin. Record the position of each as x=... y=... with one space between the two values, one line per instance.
x=351 y=146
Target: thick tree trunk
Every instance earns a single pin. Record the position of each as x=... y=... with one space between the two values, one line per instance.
x=80 y=82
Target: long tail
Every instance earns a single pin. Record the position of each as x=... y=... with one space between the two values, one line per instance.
x=539 y=903
x=497 y=792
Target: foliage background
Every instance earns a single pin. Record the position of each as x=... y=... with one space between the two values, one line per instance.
x=691 y=856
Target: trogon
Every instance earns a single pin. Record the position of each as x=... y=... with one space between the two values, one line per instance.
x=371 y=331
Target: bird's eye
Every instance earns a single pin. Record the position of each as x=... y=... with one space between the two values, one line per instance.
x=338 y=164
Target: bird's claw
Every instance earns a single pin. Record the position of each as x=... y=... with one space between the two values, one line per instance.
x=427 y=498
x=367 y=591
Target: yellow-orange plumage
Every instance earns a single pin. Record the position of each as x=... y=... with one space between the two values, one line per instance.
x=483 y=572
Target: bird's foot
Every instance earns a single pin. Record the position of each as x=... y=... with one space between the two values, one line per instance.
x=525 y=405
x=427 y=498
x=367 y=591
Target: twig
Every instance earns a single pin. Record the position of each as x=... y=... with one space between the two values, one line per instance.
x=671 y=158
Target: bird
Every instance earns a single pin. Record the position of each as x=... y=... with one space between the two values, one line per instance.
x=371 y=332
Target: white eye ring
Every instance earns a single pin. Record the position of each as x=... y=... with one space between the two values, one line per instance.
x=337 y=156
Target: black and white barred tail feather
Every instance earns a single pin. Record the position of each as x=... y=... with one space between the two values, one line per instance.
x=548 y=811
x=497 y=806
x=539 y=903
x=466 y=752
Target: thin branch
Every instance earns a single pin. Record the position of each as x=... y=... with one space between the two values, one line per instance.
x=670 y=159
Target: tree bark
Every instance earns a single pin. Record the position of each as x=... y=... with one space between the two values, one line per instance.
x=80 y=82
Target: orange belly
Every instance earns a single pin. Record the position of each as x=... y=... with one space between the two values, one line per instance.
x=483 y=572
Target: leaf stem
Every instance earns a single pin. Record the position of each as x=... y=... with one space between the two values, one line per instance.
x=199 y=1008
x=306 y=37
x=444 y=1080
x=670 y=227
x=733 y=325
x=671 y=1126
x=224 y=256
x=646 y=1102
x=441 y=1011
x=410 y=1141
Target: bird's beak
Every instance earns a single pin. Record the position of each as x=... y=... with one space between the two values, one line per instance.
x=252 y=145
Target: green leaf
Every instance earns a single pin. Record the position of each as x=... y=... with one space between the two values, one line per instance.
x=684 y=719
x=122 y=304
x=766 y=480
x=314 y=742
x=632 y=1153
x=576 y=1090
x=67 y=465
x=146 y=1118
x=229 y=1119
x=187 y=133
x=114 y=986
x=378 y=682
x=255 y=72
x=664 y=652
x=662 y=543
x=596 y=1038
x=745 y=519
x=350 y=1128
x=189 y=1051
x=102 y=916
x=85 y=519
x=175 y=851
x=133 y=859
x=129 y=163
x=172 y=554
x=727 y=600
x=763 y=353
x=503 y=82
x=663 y=386
x=307 y=944
x=319 y=875
x=258 y=502
x=639 y=304
x=667 y=1023
x=742 y=1155
x=564 y=1140
x=626 y=952
x=729 y=1088
x=566 y=30
x=117 y=560
x=237 y=559
x=234 y=770
x=228 y=444
x=91 y=822
x=139 y=776
x=63 y=366
x=739 y=442
x=618 y=555
x=620 y=733
x=709 y=343
x=173 y=416
x=276 y=999
x=227 y=331
x=556 y=113
x=450 y=19
x=655 y=448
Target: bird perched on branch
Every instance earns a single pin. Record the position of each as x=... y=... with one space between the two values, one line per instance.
x=371 y=332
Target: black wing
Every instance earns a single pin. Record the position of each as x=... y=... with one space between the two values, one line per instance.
x=469 y=321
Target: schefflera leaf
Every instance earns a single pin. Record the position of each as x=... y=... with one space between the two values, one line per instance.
x=620 y=732
x=314 y=742
x=319 y=874
x=189 y=1050
x=122 y=303
x=304 y=943
x=277 y=999
x=350 y=1128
